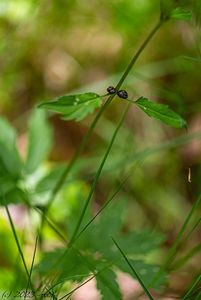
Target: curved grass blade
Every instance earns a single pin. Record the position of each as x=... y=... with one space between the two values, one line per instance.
x=190 y=290
x=177 y=241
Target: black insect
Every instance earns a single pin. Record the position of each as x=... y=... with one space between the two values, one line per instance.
x=122 y=94
x=111 y=90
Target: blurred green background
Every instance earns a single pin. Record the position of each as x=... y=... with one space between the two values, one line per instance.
x=49 y=48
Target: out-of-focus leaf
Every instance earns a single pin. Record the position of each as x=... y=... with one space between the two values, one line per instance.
x=181 y=14
x=40 y=140
x=166 y=7
x=49 y=181
x=141 y=242
x=146 y=271
x=74 y=107
x=161 y=112
x=107 y=285
x=191 y=58
x=175 y=9
x=15 y=195
x=197 y=12
x=7 y=183
x=110 y=223
x=64 y=263
x=9 y=156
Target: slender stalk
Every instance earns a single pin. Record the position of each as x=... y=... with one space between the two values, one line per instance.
x=19 y=247
x=192 y=287
x=177 y=241
x=137 y=54
x=90 y=131
x=16 y=240
x=31 y=269
x=98 y=173
x=101 y=209
x=134 y=272
x=183 y=260
x=63 y=177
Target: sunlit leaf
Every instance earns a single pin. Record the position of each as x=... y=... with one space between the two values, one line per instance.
x=40 y=140
x=74 y=107
x=161 y=112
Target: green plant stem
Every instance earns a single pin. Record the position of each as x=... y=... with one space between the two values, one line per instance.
x=181 y=261
x=19 y=248
x=134 y=272
x=31 y=269
x=191 y=288
x=177 y=241
x=63 y=177
x=98 y=173
x=101 y=209
x=90 y=131
x=137 y=54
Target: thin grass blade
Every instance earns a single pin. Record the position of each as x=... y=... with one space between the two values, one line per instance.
x=134 y=272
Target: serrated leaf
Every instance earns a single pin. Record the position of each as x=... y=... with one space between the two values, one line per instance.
x=65 y=263
x=180 y=13
x=141 y=242
x=40 y=140
x=110 y=222
x=146 y=271
x=161 y=112
x=9 y=156
x=106 y=283
x=74 y=107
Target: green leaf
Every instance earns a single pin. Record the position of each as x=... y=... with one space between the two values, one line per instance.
x=53 y=263
x=107 y=285
x=161 y=112
x=175 y=9
x=74 y=107
x=166 y=7
x=9 y=156
x=141 y=242
x=40 y=140
x=49 y=181
x=146 y=271
x=197 y=12
x=181 y=14
x=111 y=222
x=15 y=195
x=7 y=183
